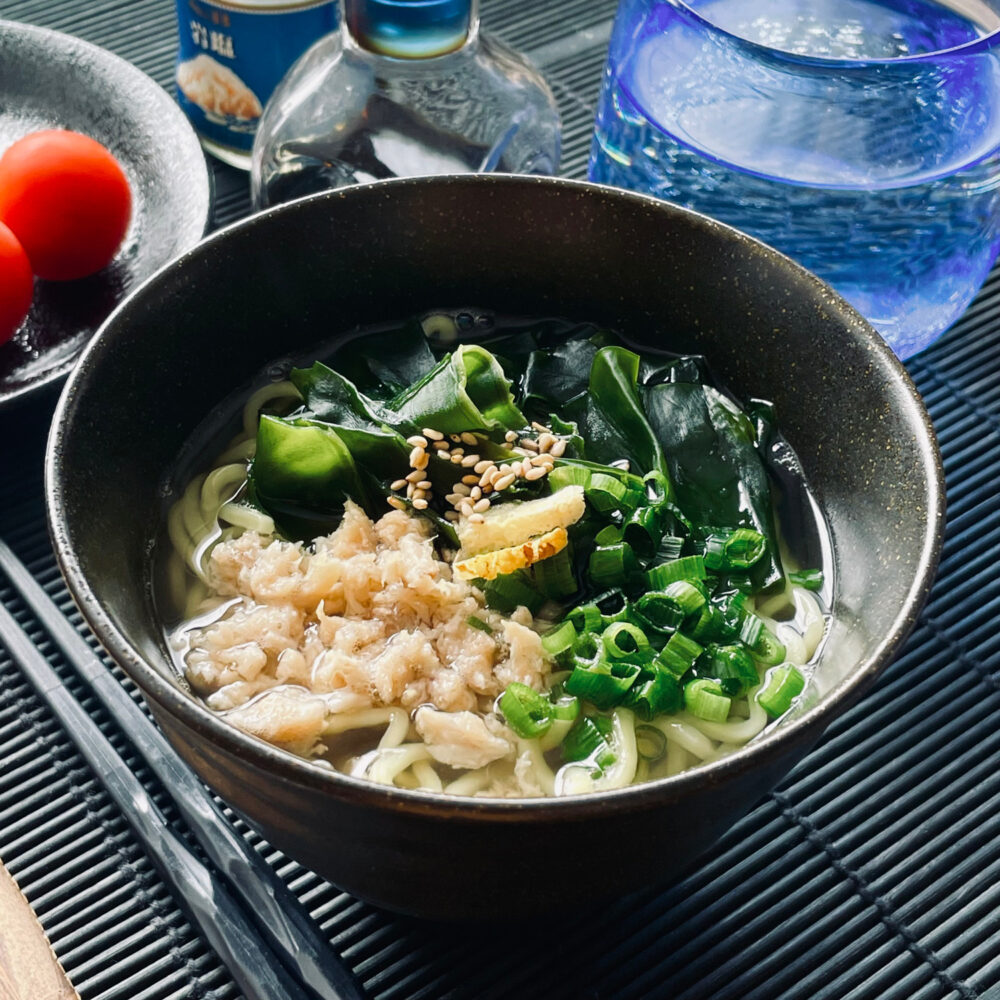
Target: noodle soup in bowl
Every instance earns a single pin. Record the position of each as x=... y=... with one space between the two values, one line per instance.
x=493 y=728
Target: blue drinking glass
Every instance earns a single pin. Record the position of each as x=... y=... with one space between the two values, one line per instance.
x=860 y=137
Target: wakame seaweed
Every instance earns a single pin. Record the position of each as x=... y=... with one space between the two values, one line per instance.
x=622 y=414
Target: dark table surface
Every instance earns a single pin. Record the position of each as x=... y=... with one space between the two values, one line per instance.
x=872 y=872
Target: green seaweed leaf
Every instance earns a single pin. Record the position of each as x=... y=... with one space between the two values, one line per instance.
x=718 y=476
x=301 y=475
x=467 y=390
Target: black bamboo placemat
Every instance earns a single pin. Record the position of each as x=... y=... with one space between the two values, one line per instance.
x=872 y=872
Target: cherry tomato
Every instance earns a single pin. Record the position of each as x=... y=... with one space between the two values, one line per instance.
x=16 y=284
x=67 y=200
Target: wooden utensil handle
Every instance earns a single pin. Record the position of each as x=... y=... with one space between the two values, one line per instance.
x=28 y=968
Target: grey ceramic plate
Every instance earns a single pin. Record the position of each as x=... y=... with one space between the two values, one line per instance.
x=52 y=80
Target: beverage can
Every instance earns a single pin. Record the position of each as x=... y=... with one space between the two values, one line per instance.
x=231 y=56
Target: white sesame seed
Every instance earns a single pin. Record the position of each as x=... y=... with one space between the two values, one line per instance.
x=419 y=494
x=546 y=441
x=424 y=484
x=504 y=481
x=466 y=508
x=529 y=444
x=458 y=451
x=558 y=448
x=454 y=499
x=421 y=460
x=456 y=457
x=476 y=518
x=410 y=490
x=431 y=434
x=415 y=476
x=420 y=504
x=470 y=480
x=505 y=468
x=415 y=454
x=441 y=445
x=521 y=451
x=535 y=473
x=476 y=493
x=541 y=428
x=399 y=484
x=451 y=515
x=455 y=437
x=469 y=461
x=417 y=441
x=469 y=438
x=395 y=502
x=462 y=489
x=544 y=461
x=480 y=506
x=481 y=467
x=510 y=436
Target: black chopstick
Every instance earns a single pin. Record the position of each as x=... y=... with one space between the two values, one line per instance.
x=289 y=929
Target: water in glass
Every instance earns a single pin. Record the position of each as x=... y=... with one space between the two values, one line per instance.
x=861 y=137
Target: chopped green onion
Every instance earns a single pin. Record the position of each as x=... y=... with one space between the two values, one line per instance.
x=768 y=649
x=666 y=610
x=678 y=655
x=811 y=579
x=603 y=684
x=613 y=604
x=650 y=742
x=510 y=591
x=643 y=529
x=751 y=629
x=738 y=549
x=558 y=643
x=481 y=625
x=585 y=617
x=656 y=692
x=658 y=612
x=608 y=535
x=554 y=576
x=669 y=549
x=605 y=492
x=732 y=666
x=587 y=741
x=612 y=564
x=782 y=686
x=704 y=699
x=586 y=647
x=634 y=498
x=565 y=708
x=525 y=711
x=718 y=623
x=687 y=568
x=622 y=641
x=686 y=596
x=657 y=486
x=568 y=475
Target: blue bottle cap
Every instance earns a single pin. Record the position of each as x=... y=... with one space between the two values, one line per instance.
x=409 y=29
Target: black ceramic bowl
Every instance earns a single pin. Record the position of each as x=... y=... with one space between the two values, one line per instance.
x=279 y=283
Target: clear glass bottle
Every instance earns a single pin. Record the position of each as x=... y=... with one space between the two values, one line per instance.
x=405 y=87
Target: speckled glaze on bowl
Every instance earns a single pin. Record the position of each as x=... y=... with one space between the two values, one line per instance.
x=278 y=283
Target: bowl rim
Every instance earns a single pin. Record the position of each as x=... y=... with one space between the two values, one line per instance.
x=802 y=731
